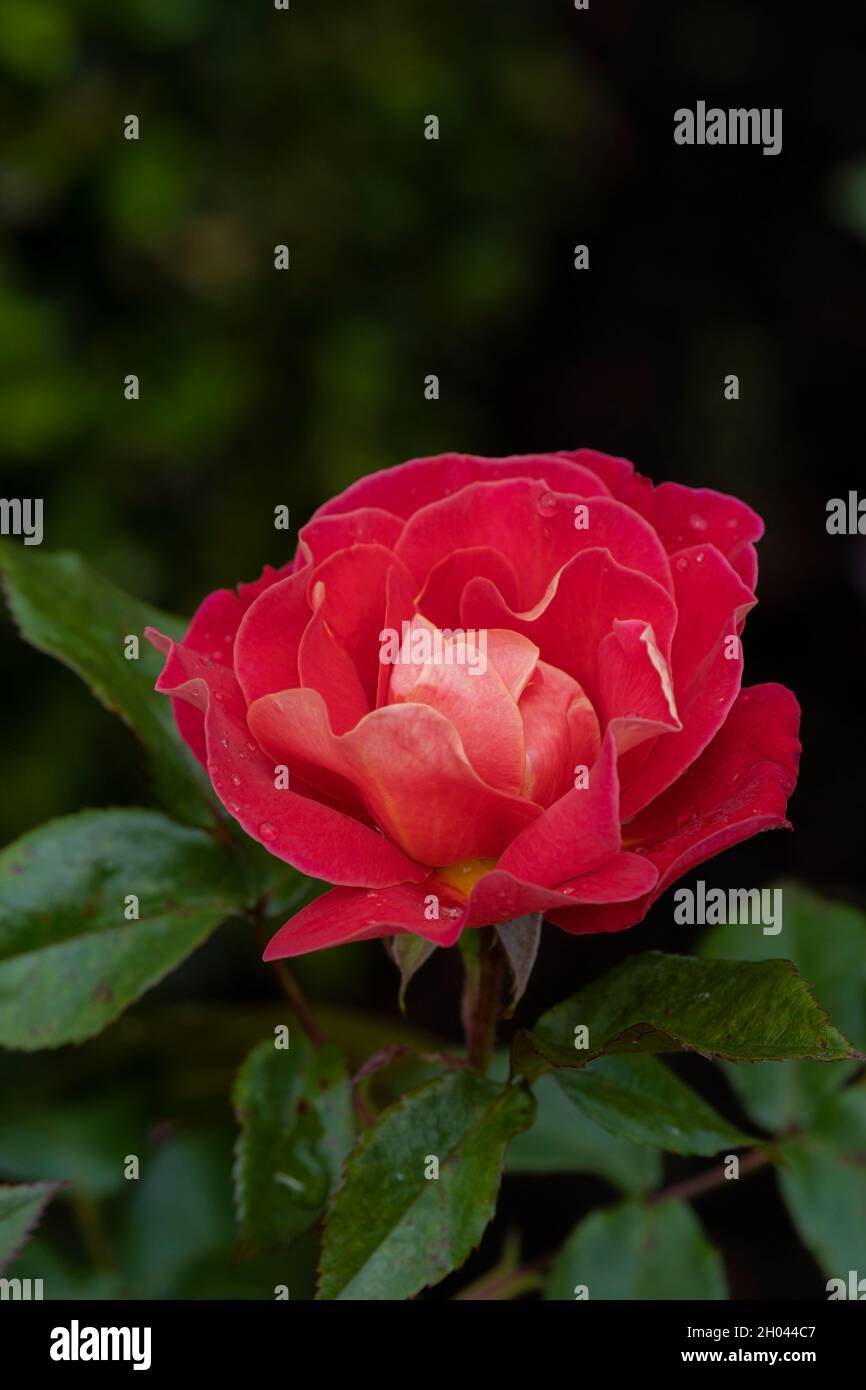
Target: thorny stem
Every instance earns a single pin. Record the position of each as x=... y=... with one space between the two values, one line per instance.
x=482 y=997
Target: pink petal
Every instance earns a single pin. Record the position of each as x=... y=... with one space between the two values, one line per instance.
x=350 y=588
x=685 y=517
x=739 y=786
x=561 y=733
x=440 y=598
x=344 y=914
x=635 y=687
x=535 y=529
x=711 y=603
x=347 y=914
x=324 y=665
x=212 y=632
x=403 y=490
x=576 y=834
x=408 y=763
x=473 y=699
x=568 y=625
x=266 y=646
x=316 y=838
x=324 y=535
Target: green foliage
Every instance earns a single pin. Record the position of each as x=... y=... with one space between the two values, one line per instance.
x=636 y=1251
x=640 y=1099
x=742 y=1010
x=62 y=607
x=391 y=1229
x=827 y=942
x=822 y=1176
x=295 y=1111
x=562 y=1139
x=20 y=1210
x=70 y=961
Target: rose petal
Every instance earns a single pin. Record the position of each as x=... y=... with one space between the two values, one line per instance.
x=711 y=603
x=409 y=765
x=318 y=839
x=576 y=834
x=419 y=482
x=739 y=786
x=590 y=593
x=561 y=733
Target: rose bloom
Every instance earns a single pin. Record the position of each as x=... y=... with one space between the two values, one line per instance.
x=601 y=749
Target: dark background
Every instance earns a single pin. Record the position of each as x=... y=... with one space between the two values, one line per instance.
x=455 y=257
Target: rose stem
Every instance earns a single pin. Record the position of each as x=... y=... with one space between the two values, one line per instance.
x=482 y=995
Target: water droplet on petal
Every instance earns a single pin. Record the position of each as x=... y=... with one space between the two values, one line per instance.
x=688 y=819
x=252 y=747
x=681 y=563
x=233 y=807
x=698 y=522
x=267 y=830
x=546 y=504
x=235 y=780
x=701 y=556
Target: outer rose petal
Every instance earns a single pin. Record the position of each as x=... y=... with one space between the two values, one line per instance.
x=317 y=839
x=534 y=528
x=402 y=490
x=324 y=535
x=739 y=786
x=266 y=646
x=212 y=632
x=711 y=604
x=344 y=915
x=686 y=516
x=409 y=765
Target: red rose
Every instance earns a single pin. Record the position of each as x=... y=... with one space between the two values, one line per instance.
x=575 y=741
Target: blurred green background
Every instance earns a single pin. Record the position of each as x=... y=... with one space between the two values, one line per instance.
x=411 y=257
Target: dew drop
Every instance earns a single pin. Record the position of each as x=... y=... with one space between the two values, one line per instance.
x=233 y=807
x=546 y=504
x=252 y=747
x=218 y=695
x=235 y=780
x=698 y=522
x=701 y=556
x=686 y=820
x=267 y=830
x=681 y=563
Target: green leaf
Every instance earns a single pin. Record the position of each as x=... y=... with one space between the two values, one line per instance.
x=83 y=1143
x=563 y=1140
x=742 y=1010
x=67 y=610
x=638 y=1252
x=294 y=1107
x=520 y=941
x=827 y=942
x=409 y=953
x=822 y=1177
x=177 y=1213
x=21 y=1208
x=70 y=962
x=640 y=1099
x=391 y=1230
